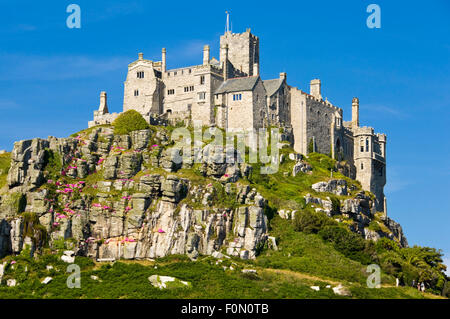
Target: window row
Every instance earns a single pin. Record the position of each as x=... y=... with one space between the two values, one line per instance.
x=170 y=91
x=189 y=88
x=189 y=71
x=237 y=97
x=140 y=74
x=136 y=92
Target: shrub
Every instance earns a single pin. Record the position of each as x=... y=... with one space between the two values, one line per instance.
x=348 y=243
x=129 y=121
x=308 y=221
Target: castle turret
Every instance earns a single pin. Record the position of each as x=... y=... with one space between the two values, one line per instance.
x=314 y=88
x=163 y=60
x=140 y=56
x=355 y=112
x=206 y=55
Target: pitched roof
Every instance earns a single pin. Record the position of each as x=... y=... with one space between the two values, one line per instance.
x=272 y=86
x=238 y=84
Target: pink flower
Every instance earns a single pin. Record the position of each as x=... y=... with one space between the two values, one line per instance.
x=50 y=181
x=13 y=262
x=226 y=175
x=161 y=231
x=55 y=224
x=96 y=205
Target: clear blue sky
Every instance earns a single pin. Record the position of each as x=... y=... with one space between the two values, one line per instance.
x=51 y=76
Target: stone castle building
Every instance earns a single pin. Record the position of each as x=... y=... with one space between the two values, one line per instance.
x=230 y=94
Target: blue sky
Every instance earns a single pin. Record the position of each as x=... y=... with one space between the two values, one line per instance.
x=51 y=76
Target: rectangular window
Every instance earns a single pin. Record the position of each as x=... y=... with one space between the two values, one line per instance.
x=170 y=91
x=202 y=79
x=186 y=89
x=202 y=95
x=191 y=88
x=237 y=97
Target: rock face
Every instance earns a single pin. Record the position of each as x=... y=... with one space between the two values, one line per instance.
x=163 y=282
x=124 y=215
x=335 y=186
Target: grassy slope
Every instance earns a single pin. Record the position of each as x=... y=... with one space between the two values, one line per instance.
x=130 y=280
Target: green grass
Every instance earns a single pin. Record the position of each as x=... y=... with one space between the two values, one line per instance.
x=130 y=280
x=308 y=253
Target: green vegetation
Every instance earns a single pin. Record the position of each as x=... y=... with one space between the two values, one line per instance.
x=129 y=121
x=5 y=161
x=129 y=279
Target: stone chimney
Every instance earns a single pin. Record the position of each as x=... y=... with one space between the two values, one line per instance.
x=206 y=55
x=141 y=56
x=355 y=112
x=283 y=76
x=103 y=107
x=163 y=60
x=314 y=88
x=255 y=69
x=224 y=51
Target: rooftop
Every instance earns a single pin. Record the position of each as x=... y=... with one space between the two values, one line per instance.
x=238 y=84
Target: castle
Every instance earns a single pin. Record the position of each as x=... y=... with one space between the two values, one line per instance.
x=229 y=93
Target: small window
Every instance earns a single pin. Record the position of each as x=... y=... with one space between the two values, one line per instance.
x=186 y=89
x=136 y=92
x=362 y=166
x=367 y=144
x=170 y=91
x=175 y=73
x=140 y=74
x=237 y=97
x=201 y=95
x=202 y=79
x=191 y=88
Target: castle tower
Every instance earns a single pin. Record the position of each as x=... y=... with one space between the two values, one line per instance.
x=314 y=88
x=243 y=51
x=355 y=112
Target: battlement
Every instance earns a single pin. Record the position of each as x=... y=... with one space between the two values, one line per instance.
x=363 y=130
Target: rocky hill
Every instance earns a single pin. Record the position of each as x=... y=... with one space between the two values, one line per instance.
x=111 y=197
